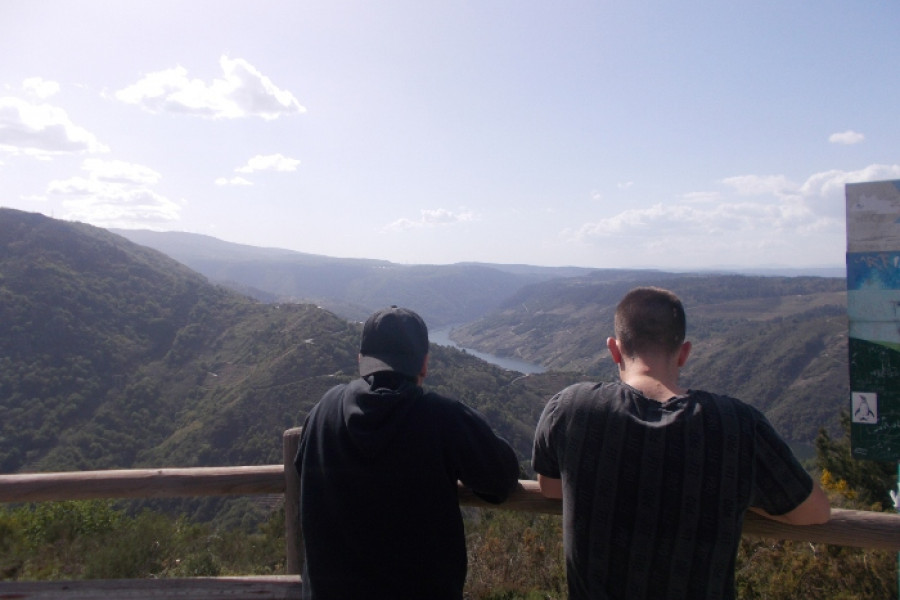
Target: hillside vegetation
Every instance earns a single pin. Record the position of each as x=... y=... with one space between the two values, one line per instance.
x=113 y=355
x=779 y=343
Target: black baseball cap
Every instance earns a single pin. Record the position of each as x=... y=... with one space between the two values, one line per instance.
x=393 y=339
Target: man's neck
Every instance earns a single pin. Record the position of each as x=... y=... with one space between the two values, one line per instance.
x=654 y=374
x=653 y=388
x=655 y=381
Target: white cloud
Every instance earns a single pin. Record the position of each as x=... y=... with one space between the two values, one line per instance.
x=42 y=130
x=124 y=208
x=766 y=217
x=832 y=182
x=442 y=216
x=119 y=171
x=431 y=218
x=115 y=194
x=271 y=162
x=701 y=197
x=759 y=185
x=237 y=181
x=625 y=185
x=242 y=91
x=40 y=87
x=685 y=219
x=847 y=138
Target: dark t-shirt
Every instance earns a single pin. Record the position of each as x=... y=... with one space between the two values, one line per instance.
x=654 y=494
x=379 y=502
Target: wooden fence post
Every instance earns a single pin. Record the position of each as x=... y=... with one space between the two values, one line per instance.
x=293 y=534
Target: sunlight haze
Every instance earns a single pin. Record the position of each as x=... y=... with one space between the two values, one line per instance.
x=597 y=134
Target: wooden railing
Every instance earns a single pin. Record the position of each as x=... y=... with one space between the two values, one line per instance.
x=861 y=529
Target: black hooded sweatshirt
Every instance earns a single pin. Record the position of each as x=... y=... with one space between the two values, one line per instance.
x=378 y=490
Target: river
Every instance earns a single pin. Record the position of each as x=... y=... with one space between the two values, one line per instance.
x=442 y=338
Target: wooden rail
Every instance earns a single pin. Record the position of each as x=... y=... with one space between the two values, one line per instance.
x=142 y=483
x=862 y=529
x=846 y=528
x=274 y=587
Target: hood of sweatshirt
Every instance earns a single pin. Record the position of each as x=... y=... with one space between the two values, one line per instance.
x=375 y=415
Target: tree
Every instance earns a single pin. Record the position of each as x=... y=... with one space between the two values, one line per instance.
x=867 y=481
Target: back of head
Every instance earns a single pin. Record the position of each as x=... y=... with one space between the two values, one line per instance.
x=650 y=320
x=393 y=340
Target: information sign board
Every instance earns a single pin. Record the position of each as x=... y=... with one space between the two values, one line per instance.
x=873 y=308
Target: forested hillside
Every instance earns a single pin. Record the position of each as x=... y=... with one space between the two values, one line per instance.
x=113 y=355
x=350 y=287
x=777 y=342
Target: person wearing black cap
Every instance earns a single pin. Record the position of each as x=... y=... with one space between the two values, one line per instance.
x=379 y=461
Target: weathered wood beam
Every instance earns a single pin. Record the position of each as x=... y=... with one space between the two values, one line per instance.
x=142 y=483
x=861 y=529
x=275 y=587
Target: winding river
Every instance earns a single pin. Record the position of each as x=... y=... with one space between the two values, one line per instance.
x=442 y=338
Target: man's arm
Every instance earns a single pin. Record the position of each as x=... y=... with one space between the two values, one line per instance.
x=816 y=509
x=550 y=487
x=543 y=454
x=490 y=467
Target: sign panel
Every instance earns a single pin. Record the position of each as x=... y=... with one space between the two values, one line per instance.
x=873 y=308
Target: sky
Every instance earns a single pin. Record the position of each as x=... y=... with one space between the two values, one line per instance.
x=604 y=134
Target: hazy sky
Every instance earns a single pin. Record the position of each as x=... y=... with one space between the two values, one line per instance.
x=600 y=134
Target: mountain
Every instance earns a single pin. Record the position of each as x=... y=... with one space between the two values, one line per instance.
x=779 y=343
x=351 y=287
x=108 y=347
x=113 y=355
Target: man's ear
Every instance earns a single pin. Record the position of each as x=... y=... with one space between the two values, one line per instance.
x=424 y=371
x=612 y=344
x=683 y=354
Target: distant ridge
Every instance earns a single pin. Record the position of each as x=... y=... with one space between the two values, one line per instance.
x=198 y=246
x=822 y=271
x=350 y=287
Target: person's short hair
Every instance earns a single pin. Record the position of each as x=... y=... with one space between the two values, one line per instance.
x=648 y=320
x=395 y=340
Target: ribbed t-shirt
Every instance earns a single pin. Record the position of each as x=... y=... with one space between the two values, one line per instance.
x=654 y=494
